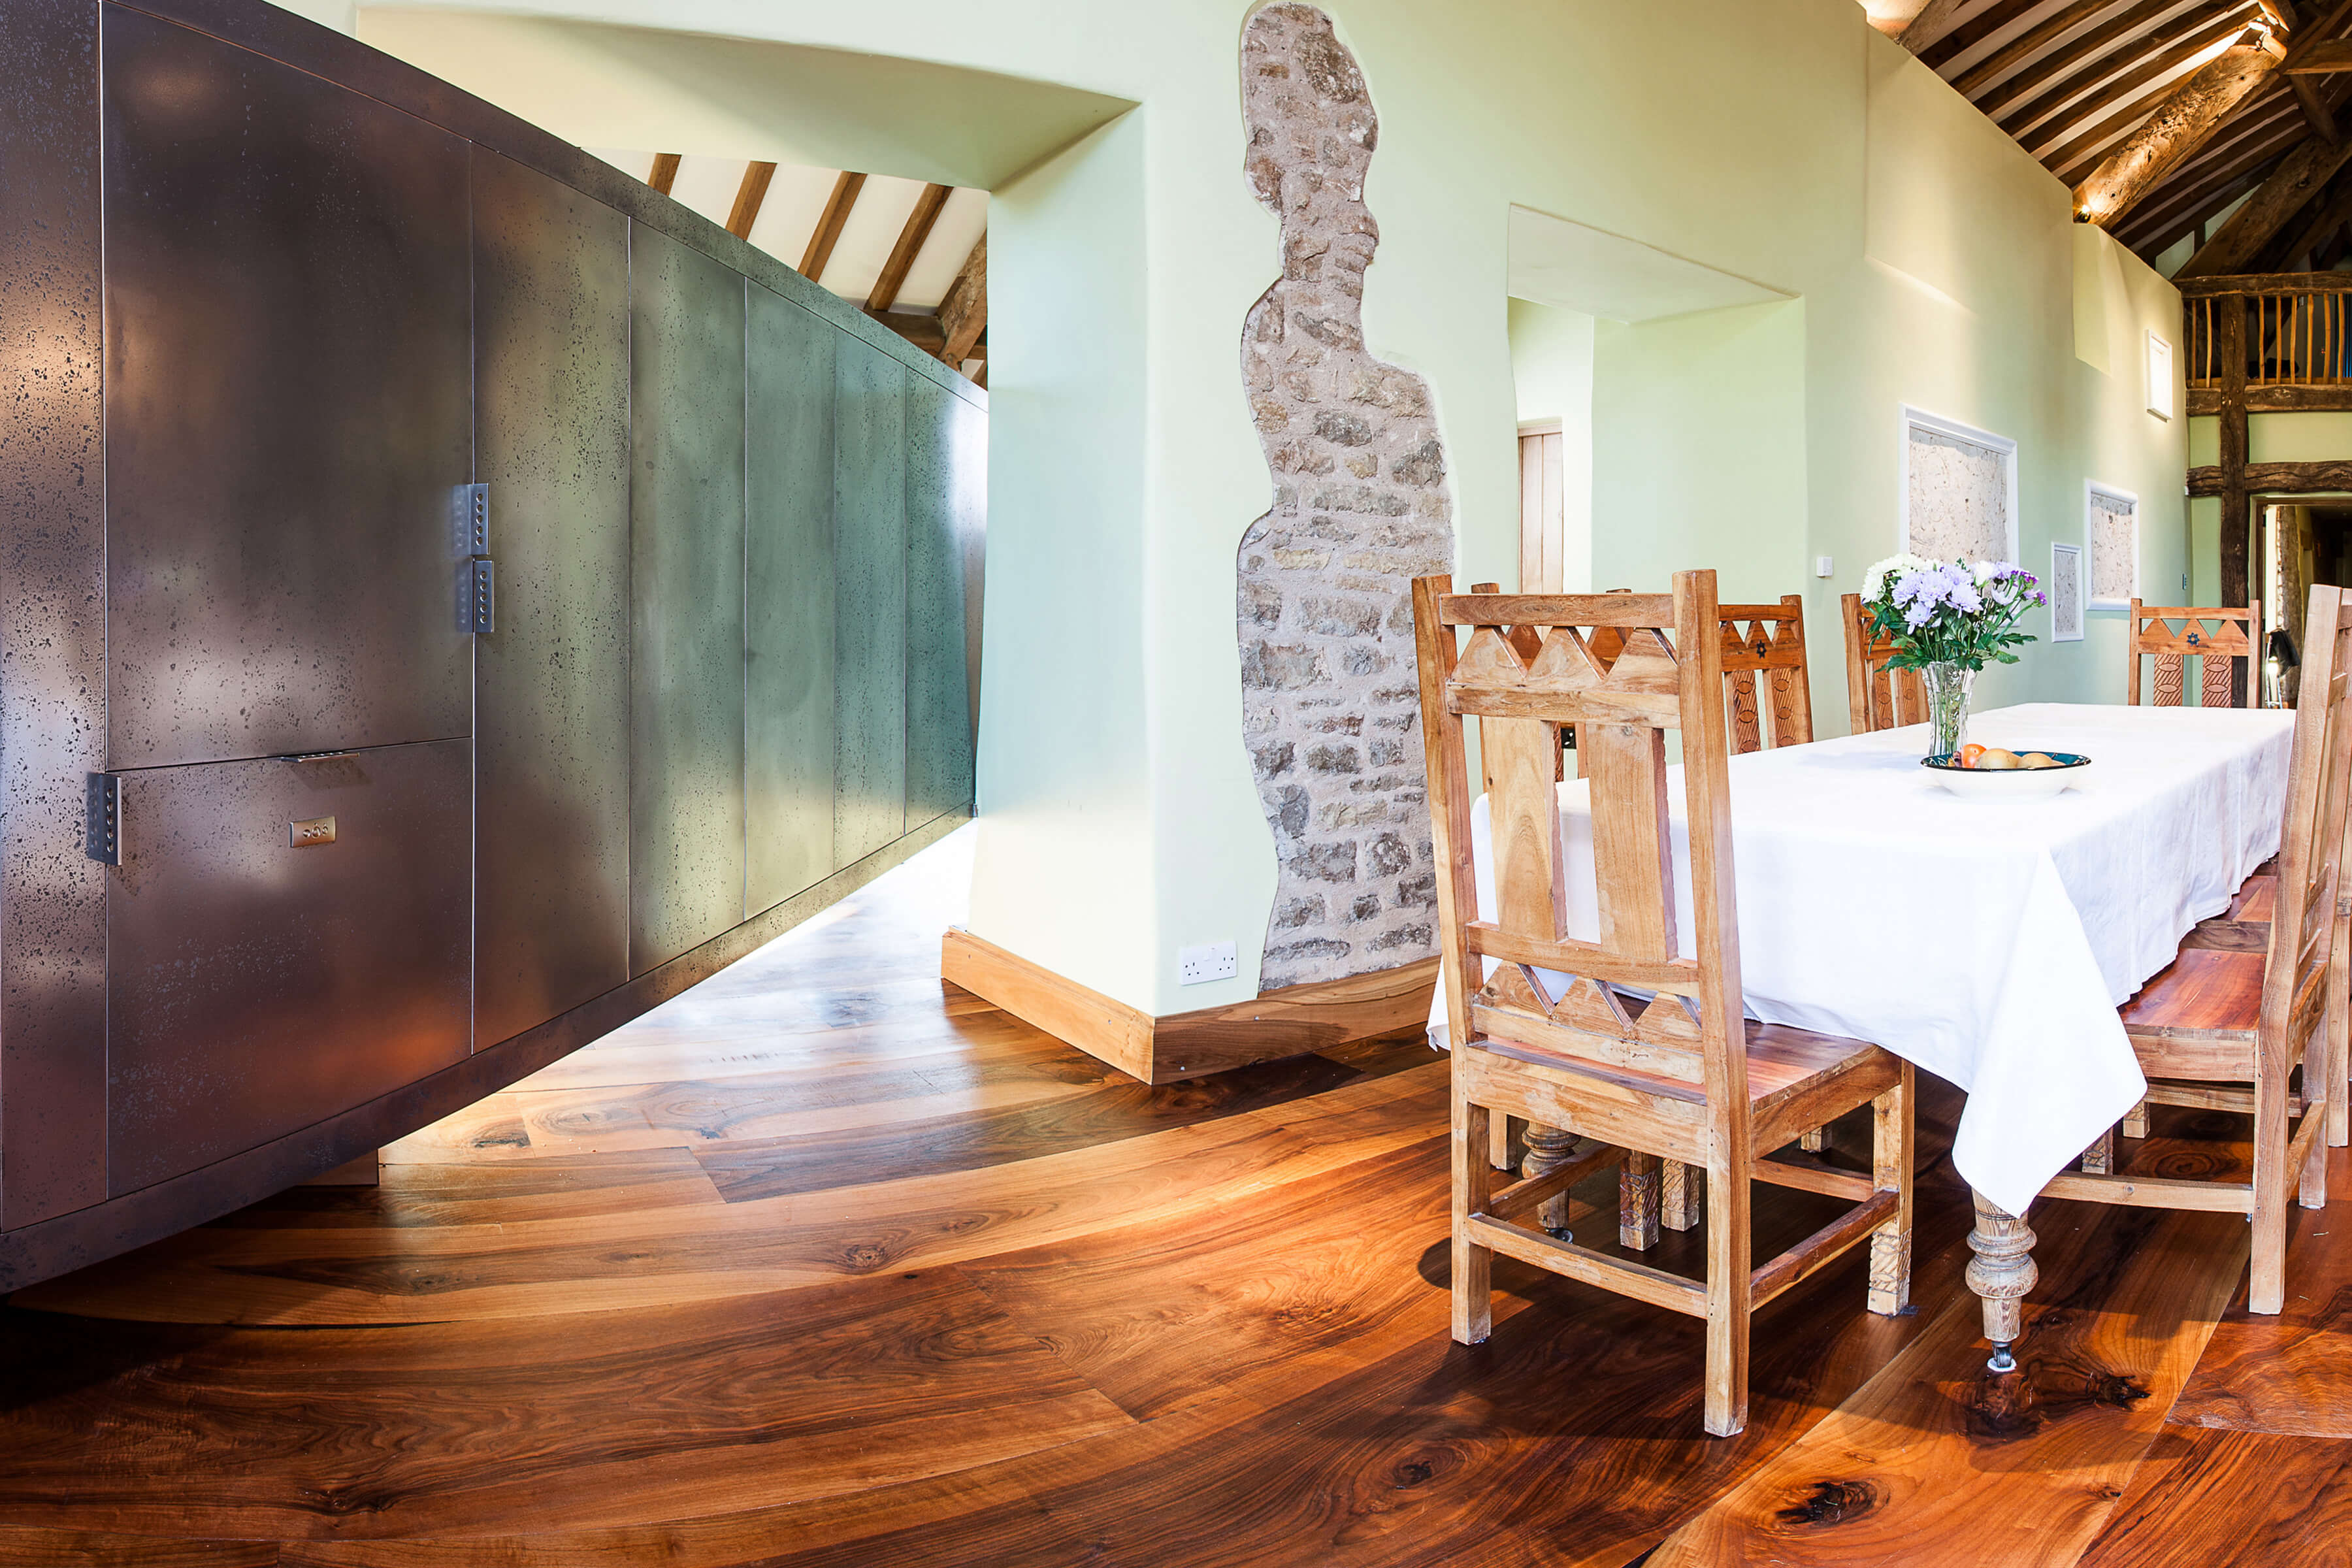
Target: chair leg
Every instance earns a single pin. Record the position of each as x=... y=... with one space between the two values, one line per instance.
x=1814 y=1141
x=2266 y=1279
x=1891 y=1157
x=1473 y=1266
x=2099 y=1159
x=1498 y=1140
x=2136 y=1121
x=1682 y=1195
x=1549 y=1149
x=2338 y=1028
x=1637 y=1202
x=1728 y=1299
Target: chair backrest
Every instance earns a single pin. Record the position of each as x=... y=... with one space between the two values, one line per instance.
x=2216 y=638
x=1666 y=675
x=1764 y=645
x=2296 y=989
x=1876 y=697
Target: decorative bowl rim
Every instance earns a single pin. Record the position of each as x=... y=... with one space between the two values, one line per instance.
x=1942 y=763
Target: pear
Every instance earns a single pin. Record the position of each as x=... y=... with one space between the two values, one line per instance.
x=2039 y=759
x=1998 y=760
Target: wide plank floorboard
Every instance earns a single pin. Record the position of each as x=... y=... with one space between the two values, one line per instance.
x=828 y=1263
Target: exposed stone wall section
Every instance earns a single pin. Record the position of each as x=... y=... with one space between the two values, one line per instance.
x=1330 y=708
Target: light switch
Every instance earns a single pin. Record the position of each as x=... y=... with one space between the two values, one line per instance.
x=1824 y=567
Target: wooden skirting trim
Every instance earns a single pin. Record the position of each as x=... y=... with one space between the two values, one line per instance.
x=1286 y=1023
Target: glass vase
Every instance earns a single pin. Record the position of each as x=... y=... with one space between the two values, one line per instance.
x=1946 y=686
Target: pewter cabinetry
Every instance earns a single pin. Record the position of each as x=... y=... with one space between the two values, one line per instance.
x=405 y=799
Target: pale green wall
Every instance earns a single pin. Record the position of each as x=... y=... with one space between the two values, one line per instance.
x=1551 y=370
x=1698 y=441
x=2293 y=437
x=1790 y=144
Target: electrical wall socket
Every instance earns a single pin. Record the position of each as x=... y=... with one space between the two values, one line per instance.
x=1210 y=961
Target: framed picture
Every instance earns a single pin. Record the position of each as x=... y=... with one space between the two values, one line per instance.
x=2159 y=376
x=2111 y=533
x=1959 y=495
x=2066 y=592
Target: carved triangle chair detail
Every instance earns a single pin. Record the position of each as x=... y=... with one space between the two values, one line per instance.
x=1876 y=697
x=2170 y=636
x=2228 y=1024
x=1768 y=703
x=1621 y=1039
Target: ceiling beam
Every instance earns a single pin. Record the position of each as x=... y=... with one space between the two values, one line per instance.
x=963 y=311
x=2323 y=58
x=2334 y=210
x=2186 y=204
x=2015 y=52
x=2116 y=72
x=1928 y=25
x=2300 y=176
x=748 y=197
x=664 y=172
x=911 y=245
x=1960 y=39
x=2182 y=123
x=828 y=224
x=2027 y=124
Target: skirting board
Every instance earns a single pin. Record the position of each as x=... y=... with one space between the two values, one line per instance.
x=1286 y=1023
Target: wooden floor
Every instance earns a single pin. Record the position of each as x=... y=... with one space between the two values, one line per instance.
x=824 y=1263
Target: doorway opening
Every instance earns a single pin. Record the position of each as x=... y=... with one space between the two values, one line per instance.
x=2298 y=541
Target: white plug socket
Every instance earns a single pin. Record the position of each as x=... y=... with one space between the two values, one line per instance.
x=1210 y=961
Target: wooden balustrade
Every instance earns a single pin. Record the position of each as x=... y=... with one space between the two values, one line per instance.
x=2295 y=330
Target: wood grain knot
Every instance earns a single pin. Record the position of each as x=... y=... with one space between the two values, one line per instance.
x=1834 y=1502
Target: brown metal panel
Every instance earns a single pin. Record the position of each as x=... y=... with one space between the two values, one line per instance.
x=551 y=729
x=52 y=614
x=686 y=592
x=869 y=566
x=262 y=978
x=288 y=408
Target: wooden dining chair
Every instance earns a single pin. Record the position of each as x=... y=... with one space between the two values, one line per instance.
x=1765 y=676
x=1876 y=697
x=1768 y=703
x=2227 y=1023
x=2216 y=638
x=1645 y=1052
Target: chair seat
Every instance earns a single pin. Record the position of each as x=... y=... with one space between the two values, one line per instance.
x=2206 y=994
x=1782 y=1062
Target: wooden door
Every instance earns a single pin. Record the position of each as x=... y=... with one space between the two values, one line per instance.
x=1541 y=543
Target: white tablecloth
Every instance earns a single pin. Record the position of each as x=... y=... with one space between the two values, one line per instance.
x=1990 y=942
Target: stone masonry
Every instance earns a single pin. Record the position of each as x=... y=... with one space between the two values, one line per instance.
x=1330 y=709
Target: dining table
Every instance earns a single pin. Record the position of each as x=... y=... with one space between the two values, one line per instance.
x=1989 y=941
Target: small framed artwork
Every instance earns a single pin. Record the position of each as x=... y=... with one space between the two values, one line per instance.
x=2066 y=592
x=2111 y=527
x=2159 y=376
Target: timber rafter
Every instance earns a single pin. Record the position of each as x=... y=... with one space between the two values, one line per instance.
x=2160 y=114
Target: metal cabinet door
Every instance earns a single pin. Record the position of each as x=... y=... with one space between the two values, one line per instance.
x=869 y=512
x=262 y=977
x=552 y=898
x=289 y=304
x=788 y=603
x=686 y=591
x=947 y=512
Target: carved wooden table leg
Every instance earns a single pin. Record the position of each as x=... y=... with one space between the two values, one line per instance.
x=2000 y=1274
x=2099 y=1159
x=2136 y=1121
x=1548 y=1148
x=1814 y=1141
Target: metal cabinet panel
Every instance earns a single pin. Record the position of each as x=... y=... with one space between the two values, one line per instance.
x=788 y=603
x=686 y=751
x=289 y=373
x=551 y=725
x=870 y=598
x=255 y=988
x=52 y=614
x=946 y=509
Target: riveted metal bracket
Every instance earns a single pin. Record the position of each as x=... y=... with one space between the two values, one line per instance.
x=103 y=819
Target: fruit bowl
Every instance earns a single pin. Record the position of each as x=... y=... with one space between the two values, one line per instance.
x=2006 y=783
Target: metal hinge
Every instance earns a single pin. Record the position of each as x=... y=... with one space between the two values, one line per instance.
x=476 y=597
x=103 y=819
x=477 y=601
